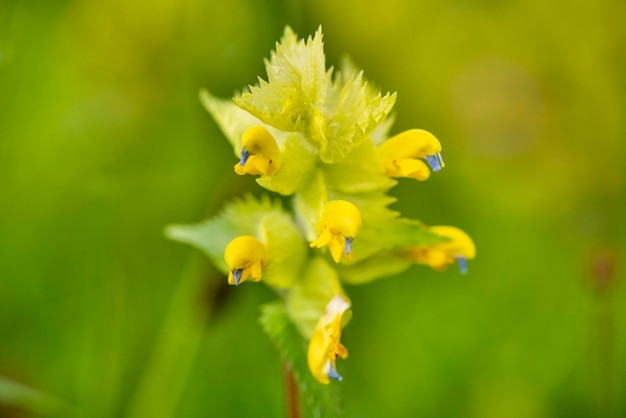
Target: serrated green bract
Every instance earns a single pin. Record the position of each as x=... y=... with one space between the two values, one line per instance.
x=298 y=165
x=263 y=218
x=350 y=113
x=232 y=120
x=296 y=84
x=323 y=400
x=301 y=96
x=309 y=296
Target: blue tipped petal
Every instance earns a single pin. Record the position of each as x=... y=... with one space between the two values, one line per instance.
x=348 y=245
x=332 y=373
x=244 y=156
x=435 y=161
x=237 y=275
x=462 y=262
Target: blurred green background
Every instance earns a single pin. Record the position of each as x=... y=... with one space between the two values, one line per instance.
x=103 y=142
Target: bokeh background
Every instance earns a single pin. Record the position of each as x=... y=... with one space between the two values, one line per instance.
x=103 y=142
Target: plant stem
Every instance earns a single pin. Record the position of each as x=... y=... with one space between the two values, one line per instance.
x=292 y=403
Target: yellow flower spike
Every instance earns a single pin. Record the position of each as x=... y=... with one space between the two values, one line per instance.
x=460 y=248
x=245 y=257
x=325 y=345
x=402 y=154
x=341 y=222
x=259 y=153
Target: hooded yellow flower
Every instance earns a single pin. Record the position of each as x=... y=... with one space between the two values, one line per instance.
x=245 y=256
x=459 y=249
x=341 y=222
x=325 y=346
x=402 y=154
x=259 y=153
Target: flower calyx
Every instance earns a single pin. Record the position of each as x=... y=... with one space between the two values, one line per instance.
x=325 y=345
x=403 y=155
x=259 y=153
x=341 y=222
x=245 y=257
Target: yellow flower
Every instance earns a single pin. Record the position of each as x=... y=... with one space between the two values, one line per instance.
x=341 y=222
x=460 y=248
x=259 y=153
x=402 y=154
x=245 y=257
x=325 y=346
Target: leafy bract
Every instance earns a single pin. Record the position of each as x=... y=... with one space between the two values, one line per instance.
x=322 y=400
x=232 y=120
x=307 y=300
x=350 y=113
x=296 y=83
x=263 y=218
x=297 y=167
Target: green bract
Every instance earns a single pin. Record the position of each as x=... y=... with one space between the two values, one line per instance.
x=315 y=135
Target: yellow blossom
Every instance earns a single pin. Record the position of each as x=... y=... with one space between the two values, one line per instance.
x=460 y=248
x=259 y=153
x=341 y=222
x=245 y=257
x=325 y=345
x=402 y=154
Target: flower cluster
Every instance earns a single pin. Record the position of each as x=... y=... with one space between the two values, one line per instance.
x=321 y=137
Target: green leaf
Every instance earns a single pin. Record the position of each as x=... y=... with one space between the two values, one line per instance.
x=323 y=400
x=262 y=218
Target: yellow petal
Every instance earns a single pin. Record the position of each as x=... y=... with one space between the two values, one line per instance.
x=459 y=249
x=325 y=345
x=407 y=167
x=337 y=246
x=414 y=143
x=342 y=217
